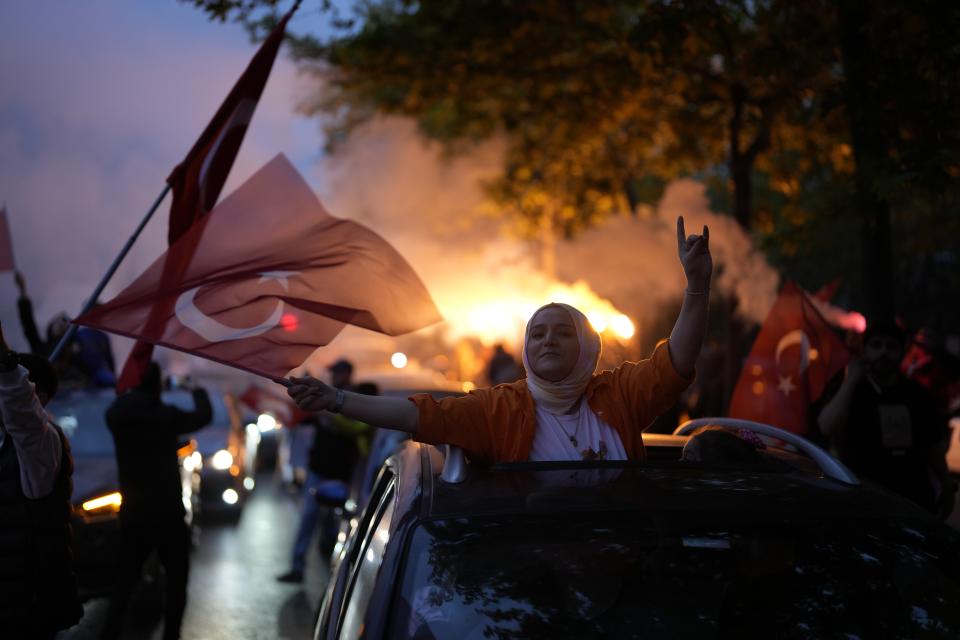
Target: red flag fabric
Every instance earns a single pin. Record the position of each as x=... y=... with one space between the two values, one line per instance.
x=794 y=356
x=827 y=291
x=6 y=244
x=272 y=277
x=197 y=181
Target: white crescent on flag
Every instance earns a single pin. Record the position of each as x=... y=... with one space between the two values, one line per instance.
x=798 y=337
x=214 y=331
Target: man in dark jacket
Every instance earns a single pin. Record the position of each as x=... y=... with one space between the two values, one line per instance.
x=38 y=591
x=146 y=433
x=885 y=425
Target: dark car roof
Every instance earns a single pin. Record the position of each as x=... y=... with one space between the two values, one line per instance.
x=461 y=530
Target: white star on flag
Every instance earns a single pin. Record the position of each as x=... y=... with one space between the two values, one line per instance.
x=786 y=385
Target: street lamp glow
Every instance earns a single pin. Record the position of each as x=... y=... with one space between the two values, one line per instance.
x=230 y=496
x=399 y=360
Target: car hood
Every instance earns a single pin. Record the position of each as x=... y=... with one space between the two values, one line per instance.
x=93 y=476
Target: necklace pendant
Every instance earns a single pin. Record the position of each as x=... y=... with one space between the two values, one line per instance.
x=573 y=441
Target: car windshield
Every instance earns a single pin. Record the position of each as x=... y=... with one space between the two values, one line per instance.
x=81 y=416
x=655 y=577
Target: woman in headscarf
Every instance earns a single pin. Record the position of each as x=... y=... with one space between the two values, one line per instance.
x=563 y=409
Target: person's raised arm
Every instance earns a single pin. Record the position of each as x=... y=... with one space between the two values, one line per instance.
x=24 y=420
x=311 y=395
x=181 y=421
x=691 y=326
x=27 y=321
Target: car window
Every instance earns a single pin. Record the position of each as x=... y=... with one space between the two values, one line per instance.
x=367 y=568
x=334 y=601
x=631 y=576
x=81 y=416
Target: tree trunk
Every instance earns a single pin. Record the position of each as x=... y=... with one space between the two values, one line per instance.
x=740 y=171
x=737 y=165
x=869 y=137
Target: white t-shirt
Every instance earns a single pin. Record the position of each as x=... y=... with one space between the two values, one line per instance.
x=556 y=434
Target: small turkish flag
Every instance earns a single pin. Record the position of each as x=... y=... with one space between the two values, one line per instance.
x=6 y=243
x=794 y=356
x=269 y=277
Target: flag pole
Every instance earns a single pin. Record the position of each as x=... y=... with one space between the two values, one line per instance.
x=92 y=300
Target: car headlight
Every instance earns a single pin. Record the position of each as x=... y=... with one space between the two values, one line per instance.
x=222 y=460
x=193 y=461
x=109 y=503
x=266 y=422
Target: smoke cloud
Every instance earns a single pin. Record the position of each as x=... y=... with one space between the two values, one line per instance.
x=426 y=204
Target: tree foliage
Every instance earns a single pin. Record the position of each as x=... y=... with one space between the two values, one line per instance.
x=814 y=124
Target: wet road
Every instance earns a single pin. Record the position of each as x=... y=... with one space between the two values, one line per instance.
x=233 y=592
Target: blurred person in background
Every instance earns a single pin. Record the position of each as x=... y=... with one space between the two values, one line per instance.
x=38 y=590
x=935 y=369
x=503 y=367
x=147 y=435
x=885 y=426
x=87 y=360
x=338 y=444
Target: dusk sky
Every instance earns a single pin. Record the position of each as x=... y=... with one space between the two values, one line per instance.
x=98 y=101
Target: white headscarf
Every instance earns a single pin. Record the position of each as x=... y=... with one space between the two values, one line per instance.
x=560 y=397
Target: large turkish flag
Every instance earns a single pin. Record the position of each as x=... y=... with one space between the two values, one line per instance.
x=269 y=276
x=794 y=356
x=197 y=181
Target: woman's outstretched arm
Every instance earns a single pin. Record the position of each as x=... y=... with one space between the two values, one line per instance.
x=691 y=326
x=311 y=394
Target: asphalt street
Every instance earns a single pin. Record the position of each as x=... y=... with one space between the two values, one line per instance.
x=233 y=592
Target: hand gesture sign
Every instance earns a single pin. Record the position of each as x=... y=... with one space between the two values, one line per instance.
x=695 y=257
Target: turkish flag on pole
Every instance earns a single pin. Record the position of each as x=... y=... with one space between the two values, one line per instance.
x=793 y=358
x=197 y=181
x=6 y=243
x=273 y=276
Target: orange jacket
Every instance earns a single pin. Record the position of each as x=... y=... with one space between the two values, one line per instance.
x=498 y=424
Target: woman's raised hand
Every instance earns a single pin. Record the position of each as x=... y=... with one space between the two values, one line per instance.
x=695 y=257
x=309 y=393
